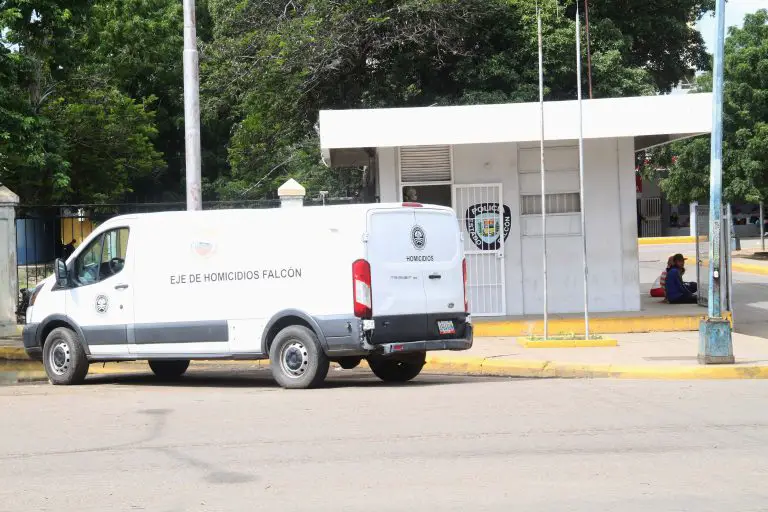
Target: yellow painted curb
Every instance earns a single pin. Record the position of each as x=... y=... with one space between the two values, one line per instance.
x=529 y=343
x=13 y=354
x=737 y=266
x=750 y=268
x=553 y=369
x=664 y=240
x=564 y=326
x=497 y=367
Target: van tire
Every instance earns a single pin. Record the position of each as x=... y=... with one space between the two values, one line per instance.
x=297 y=359
x=166 y=369
x=397 y=369
x=64 y=358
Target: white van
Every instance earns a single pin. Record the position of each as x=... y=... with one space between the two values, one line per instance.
x=300 y=286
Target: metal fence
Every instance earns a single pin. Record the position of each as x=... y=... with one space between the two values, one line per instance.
x=650 y=209
x=44 y=232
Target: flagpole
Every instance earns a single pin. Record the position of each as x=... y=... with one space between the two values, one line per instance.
x=543 y=178
x=581 y=175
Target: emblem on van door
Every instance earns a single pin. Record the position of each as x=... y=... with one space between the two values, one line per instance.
x=102 y=304
x=486 y=226
x=418 y=237
x=202 y=248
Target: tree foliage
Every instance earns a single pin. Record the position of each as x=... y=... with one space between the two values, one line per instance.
x=745 y=126
x=91 y=95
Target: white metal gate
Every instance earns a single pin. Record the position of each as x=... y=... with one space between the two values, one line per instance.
x=702 y=256
x=650 y=208
x=485 y=222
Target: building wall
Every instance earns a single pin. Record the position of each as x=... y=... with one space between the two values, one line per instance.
x=610 y=217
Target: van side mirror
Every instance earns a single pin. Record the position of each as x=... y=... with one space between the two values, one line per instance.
x=61 y=272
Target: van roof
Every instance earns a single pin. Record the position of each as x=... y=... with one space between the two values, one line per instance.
x=300 y=211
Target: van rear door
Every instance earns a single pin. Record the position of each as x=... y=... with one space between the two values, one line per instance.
x=442 y=272
x=397 y=279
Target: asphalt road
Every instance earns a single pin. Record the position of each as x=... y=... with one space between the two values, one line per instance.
x=237 y=442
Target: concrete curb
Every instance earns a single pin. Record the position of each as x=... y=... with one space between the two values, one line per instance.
x=737 y=266
x=749 y=268
x=29 y=371
x=553 y=369
x=565 y=326
x=554 y=343
x=664 y=240
x=13 y=354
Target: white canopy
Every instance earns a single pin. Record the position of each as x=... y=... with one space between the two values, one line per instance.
x=649 y=119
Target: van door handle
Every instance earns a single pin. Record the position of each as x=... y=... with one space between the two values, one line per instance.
x=121 y=286
x=435 y=276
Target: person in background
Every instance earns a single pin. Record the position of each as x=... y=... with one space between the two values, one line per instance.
x=658 y=288
x=677 y=291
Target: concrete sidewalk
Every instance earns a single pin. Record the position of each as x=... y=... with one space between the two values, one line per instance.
x=657 y=355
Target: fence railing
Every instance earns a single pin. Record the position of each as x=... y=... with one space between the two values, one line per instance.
x=47 y=232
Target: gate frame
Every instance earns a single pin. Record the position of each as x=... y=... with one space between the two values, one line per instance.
x=727 y=231
x=500 y=253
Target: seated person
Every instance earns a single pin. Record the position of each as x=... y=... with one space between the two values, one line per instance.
x=659 y=286
x=677 y=291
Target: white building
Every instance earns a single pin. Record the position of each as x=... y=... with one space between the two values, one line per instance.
x=482 y=159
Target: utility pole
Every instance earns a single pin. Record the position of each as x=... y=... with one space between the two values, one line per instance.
x=543 y=175
x=589 y=48
x=762 y=228
x=583 y=203
x=192 y=109
x=715 y=337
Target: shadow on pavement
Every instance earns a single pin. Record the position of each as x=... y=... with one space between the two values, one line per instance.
x=261 y=378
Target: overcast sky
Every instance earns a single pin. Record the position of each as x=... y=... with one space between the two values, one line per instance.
x=734 y=15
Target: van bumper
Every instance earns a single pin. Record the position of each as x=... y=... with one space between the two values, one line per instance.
x=464 y=343
x=31 y=345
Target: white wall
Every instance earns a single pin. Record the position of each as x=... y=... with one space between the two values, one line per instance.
x=386 y=183
x=610 y=215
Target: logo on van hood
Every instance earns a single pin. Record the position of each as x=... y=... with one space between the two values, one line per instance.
x=485 y=225
x=418 y=237
x=203 y=248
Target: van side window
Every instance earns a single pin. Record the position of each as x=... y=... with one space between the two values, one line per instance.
x=103 y=258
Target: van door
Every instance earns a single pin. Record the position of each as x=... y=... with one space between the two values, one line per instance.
x=442 y=272
x=397 y=281
x=100 y=300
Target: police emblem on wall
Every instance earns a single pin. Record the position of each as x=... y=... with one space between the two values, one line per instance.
x=483 y=225
x=418 y=237
x=102 y=304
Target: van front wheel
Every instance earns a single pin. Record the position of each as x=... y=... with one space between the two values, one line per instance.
x=64 y=357
x=297 y=359
x=168 y=369
x=397 y=370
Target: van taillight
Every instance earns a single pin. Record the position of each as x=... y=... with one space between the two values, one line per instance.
x=412 y=205
x=464 y=275
x=361 y=289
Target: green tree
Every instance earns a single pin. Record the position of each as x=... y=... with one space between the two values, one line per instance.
x=69 y=132
x=745 y=126
x=272 y=65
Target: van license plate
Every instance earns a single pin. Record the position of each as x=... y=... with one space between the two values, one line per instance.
x=446 y=327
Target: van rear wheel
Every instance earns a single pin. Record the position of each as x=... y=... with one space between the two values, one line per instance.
x=169 y=369
x=297 y=359
x=64 y=358
x=401 y=369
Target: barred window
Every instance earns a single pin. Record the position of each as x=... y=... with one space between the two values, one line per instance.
x=568 y=202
